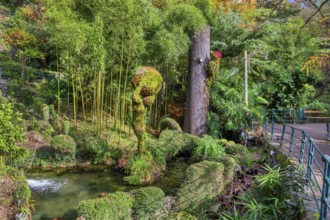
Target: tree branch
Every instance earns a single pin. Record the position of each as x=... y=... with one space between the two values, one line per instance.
x=318 y=10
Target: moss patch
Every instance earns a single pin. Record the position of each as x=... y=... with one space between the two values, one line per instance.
x=114 y=206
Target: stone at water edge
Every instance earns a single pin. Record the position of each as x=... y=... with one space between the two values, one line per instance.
x=204 y=181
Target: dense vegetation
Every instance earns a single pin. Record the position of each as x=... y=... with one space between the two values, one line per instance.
x=70 y=93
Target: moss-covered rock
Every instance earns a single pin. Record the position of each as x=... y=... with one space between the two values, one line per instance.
x=240 y=153
x=64 y=145
x=114 y=206
x=170 y=124
x=148 y=202
x=143 y=169
x=171 y=143
x=203 y=182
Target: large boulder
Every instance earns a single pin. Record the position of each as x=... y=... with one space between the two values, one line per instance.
x=114 y=206
x=203 y=182
x=148 y=203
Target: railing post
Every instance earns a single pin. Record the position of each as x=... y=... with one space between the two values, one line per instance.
x=283 y=133
x=302 y=148
x=310 y=158
x=294 y=116
x=272 y=134
x=328 y=130
x=291 y=140
x=325 y=202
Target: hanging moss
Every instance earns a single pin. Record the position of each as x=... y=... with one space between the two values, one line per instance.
x=147 y=83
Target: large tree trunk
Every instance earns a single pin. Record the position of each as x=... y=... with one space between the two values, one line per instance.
x=197 y=101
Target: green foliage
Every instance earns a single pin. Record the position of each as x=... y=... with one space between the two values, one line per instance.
x=273 y=196
x=188 y=17
x=114 y=206
x=64 y=146
x=182 y=216
x=209 y=149
x=271 y=180
x=227 y=109
x=147 y=201
x=11 y=132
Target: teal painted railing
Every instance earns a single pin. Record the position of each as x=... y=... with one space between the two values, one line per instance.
x=296 y=144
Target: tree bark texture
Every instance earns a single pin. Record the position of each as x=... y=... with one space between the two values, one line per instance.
x=197 y=102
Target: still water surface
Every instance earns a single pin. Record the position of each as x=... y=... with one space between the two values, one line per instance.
x=58 y=195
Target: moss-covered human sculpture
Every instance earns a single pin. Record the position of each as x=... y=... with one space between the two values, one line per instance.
x=146 y=82
x=212 y=67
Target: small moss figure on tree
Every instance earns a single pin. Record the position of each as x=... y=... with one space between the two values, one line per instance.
x=212 y=67
x=146 y=82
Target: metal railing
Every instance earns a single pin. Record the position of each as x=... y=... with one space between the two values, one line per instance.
x=297 y=145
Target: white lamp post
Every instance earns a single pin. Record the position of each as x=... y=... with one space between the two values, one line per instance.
x=246 y=71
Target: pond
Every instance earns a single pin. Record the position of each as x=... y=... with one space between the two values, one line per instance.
x=58 y=195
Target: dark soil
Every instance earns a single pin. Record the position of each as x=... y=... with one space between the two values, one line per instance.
x=242 y=182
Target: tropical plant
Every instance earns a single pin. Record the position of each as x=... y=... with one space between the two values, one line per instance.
x=209 y=149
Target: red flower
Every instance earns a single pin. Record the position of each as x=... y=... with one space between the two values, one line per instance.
x=218 y=54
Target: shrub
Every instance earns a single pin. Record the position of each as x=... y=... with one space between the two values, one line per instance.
x=147 y=201
x=114 y=206
x=64 y=146
x=209 y=148
x=66 y=127
x=96 y=146
x=54 y=117
x=11 y=132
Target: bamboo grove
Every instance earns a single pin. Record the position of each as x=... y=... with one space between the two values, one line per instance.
x=90 y=49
